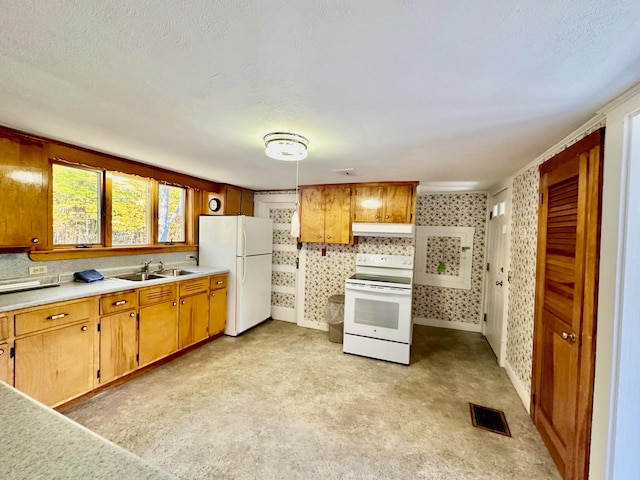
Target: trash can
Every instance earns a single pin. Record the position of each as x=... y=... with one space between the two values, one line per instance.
x=334 y=316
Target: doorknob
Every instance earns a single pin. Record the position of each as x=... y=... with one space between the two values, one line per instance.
x=570 y=337
x=499 y=284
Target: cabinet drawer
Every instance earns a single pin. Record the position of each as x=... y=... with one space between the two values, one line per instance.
x=218 y=281
x=161 y=293
x=190 y=287
x=52 y=316
x=118 y=302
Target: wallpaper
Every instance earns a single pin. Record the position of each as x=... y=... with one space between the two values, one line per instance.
x=445 y=250
x=453 y=210
x=325 y=275
x=522 y=286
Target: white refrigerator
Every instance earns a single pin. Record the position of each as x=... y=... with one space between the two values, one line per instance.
x=244 y=246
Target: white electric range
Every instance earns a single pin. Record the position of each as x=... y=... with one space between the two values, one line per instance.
x=377 y=308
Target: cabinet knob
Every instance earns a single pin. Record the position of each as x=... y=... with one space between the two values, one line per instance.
x=387 y=217
x=1 y=351
x=183 y=302
x=57 y=317
x=119 y=302
x=83 y=328
x=132 y=314
x=174 y=304
x=377 y=217
x=213 y=294
x=219 y=282
x=319 y=236
x=35 y=240
x=328 y=237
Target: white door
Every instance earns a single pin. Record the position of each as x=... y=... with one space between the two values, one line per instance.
x=497 y=274
x=253 y=293
x=284 y=285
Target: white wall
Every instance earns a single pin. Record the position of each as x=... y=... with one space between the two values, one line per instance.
x=615 y=438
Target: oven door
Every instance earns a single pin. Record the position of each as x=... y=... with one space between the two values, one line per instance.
x=378 y=312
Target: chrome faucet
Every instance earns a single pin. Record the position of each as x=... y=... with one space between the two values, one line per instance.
x=161 y=266
x=145 y=269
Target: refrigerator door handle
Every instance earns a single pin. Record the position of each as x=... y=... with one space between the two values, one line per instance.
x=244 y=237
x=244 y=270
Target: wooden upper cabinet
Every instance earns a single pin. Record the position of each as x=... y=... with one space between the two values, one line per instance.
x=380 y=203
x=325 y=213
x=337 y=214
x=233 y=200
x=311 y=214
x=25 y=209
x=246 y=203
x=238 y=201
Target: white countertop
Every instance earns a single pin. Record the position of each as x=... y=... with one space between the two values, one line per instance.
x=73 y=290
x=38 y=442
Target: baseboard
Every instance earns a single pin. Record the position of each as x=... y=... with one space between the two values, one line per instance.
x=283 y=314
x=432 y=322
x=525 y=397
x=313 y=324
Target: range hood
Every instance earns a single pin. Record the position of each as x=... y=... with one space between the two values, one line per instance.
x=361 y=229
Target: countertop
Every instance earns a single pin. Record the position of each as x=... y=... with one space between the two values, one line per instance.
x=73 y=290
x=40 y=443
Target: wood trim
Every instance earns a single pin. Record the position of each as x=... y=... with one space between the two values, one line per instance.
x=96 y=252
x=351 y=184
x=107 y=232
x=80 y=156
x=589 y=315
x=592 y=140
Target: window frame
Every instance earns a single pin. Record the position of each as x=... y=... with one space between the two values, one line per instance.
x=106 y=247
x=101 y=199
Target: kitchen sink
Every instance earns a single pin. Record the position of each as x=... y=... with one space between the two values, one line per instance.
x=176 y=272
x=140 y=277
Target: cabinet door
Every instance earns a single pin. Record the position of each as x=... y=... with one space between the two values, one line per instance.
x=217 y=311
x=398 y=202
x=56 y=366
x=5 y=373
x=194 y=319
x=368 y=203
x=158 y=334
x=24 y=183
x=233 y=201
x=246 y=205
x=118 y=345
x=337 y=214
x=312 y=214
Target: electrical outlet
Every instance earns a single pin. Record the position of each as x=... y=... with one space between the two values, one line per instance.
x=37 y=270
x=189 y=257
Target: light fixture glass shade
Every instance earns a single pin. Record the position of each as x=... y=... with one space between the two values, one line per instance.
x=285 y=146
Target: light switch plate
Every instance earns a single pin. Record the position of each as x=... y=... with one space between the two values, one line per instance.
x=37 y=270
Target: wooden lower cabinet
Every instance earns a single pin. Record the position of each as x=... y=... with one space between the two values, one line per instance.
x=118 y=345
x=57 y=365
x=5 y=364
x=218 y=304
x=158 y=332
x=194 y=319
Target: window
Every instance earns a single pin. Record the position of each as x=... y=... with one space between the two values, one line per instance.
x=77 y=197
x=171 y=214
x=130 y=210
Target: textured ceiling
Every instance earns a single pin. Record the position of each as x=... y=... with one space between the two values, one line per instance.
x=461 y=91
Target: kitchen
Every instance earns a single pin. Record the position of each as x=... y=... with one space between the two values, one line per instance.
x=259 y=185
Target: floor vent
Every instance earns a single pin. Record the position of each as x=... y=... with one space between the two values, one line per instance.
x=489 y=419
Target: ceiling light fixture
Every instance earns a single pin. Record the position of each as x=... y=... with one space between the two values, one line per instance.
x=285 y=146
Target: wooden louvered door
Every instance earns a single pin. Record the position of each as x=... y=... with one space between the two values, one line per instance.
x=566 y=286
